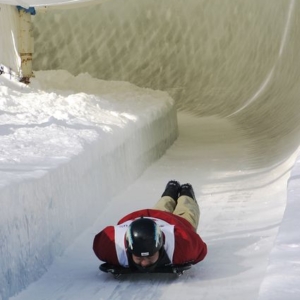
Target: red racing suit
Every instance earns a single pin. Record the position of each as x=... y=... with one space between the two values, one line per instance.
x=181 y=242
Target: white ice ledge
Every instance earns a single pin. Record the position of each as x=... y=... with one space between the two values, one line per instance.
x=64 y=154
x=283 y=272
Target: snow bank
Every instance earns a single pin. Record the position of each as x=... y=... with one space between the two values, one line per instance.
x=282 y=276
x=62 y=142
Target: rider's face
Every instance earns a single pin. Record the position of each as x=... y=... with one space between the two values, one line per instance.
x=147 y=260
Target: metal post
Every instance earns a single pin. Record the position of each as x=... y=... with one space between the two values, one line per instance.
x=25 y=45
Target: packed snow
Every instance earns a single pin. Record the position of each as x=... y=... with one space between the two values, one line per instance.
x=64 y=153
x=57 y=119
x=77 y=153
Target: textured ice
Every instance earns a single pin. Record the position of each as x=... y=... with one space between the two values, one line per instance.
x=65 y=152
x=232 y=64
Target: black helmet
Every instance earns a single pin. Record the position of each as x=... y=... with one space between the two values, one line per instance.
x=143 y=237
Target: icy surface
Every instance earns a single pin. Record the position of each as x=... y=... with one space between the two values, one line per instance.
x=283 y=273
x=228 y=58
x=234 y=66
x=64 y=154
x=240 y=215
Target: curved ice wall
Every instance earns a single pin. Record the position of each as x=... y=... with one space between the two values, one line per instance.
x=219 y=57
x=237 y=59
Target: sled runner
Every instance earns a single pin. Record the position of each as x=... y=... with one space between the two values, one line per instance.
x=118 y=270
